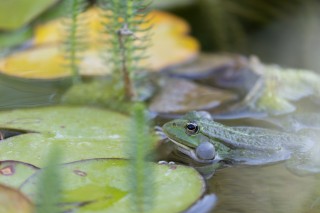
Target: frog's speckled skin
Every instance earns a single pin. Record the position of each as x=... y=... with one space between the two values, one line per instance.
x=247 y=145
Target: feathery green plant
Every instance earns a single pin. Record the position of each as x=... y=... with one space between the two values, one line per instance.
x=126 y=48
x=140 y=177
x=49 y=187
x=74 y=38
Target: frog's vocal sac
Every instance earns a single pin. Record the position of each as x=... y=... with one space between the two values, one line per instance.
x=206 y=141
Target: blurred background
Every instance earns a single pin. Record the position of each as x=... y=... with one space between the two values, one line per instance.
x=282 y=32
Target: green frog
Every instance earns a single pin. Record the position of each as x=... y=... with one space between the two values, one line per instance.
x=208 y=142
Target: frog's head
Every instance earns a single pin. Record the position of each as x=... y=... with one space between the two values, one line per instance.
x=186 y=134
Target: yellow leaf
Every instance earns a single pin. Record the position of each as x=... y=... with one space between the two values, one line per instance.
x=43 y=63
x=170 y=43
x=13 y=201
x=47 y=62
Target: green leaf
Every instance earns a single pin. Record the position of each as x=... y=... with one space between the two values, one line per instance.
x=101 y=185
x=81 y=132
x=16 y=13
x=284 y=86
x=10 y=39
x=13 y=173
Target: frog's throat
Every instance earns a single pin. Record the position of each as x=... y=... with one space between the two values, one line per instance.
x=191 y=153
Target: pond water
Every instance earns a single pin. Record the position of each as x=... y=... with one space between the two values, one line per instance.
x=269 y=188
x=264 y=189
x=239 y=189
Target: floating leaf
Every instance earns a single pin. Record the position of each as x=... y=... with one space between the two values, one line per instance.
x=206 y=65
x=16 y=13
x=15 y=38
x=227 y=71
x=284 y=86
x=47 y=63
x=270 y=90
x=101 y=186
x=273 y=104
x=205 y=204
x=52 y=32
x=13 y=201
x=43 y=63
x=14 y=173
x=82 y=133
x=170 y=31
x=180 y=96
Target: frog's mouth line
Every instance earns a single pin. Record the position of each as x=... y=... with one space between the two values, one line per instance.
x=191 y=153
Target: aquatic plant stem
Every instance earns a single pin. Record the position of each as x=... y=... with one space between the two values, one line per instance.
x=75 y=38
x=141 y=173
x=73 y=62
x=128 y=87
x=125 y=18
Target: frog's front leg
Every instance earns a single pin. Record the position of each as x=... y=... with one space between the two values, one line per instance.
x=208 y=170
x=205 y=169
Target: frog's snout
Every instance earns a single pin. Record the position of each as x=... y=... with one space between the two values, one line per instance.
x=167 y=126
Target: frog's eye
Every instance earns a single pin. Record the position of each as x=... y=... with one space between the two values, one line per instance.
x=206 y=151
x=192 y=128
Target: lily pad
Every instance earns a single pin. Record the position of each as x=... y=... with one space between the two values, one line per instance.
x=206 y=65
x=101 y=185
x=24 y=12
x=14 y=173
x=75 y=129
x=45 y=63
x=226 y=71
x=179 y=96
x=276 y=91
x=10 y=39
x=285 y=86
x=13 y=201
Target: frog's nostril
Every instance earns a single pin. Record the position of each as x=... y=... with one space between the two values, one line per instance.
x=174 y=124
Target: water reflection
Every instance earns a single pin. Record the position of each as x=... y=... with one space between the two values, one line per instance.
x=18 y=92
x=266 y=189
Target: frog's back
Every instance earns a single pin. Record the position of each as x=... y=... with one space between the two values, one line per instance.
x=253 y=138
